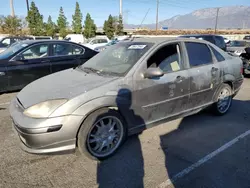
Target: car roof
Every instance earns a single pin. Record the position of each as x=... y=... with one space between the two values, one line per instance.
x=197 y=35
x=44 y=41
x=159 y=40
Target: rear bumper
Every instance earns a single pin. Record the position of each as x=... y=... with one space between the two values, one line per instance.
x=237 y=85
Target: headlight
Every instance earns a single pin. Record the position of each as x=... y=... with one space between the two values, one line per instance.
x=44 y=109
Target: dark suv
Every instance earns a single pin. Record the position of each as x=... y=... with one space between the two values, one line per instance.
x=215 y=39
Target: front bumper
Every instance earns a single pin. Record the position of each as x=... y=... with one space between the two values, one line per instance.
x=47 y=135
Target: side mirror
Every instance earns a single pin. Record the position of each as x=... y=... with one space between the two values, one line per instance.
x=153 y=73
x=18 y=58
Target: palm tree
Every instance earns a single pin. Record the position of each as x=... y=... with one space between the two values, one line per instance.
x=12 y=8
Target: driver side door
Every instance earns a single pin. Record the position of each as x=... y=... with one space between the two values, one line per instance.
x=164 y=96
x=29 y=65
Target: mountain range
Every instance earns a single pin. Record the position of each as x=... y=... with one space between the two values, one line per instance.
x=228 y=18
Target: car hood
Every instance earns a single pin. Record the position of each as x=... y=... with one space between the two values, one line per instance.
x=61 y=85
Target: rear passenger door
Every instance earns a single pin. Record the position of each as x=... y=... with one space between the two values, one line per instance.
x=204 y=74
x=65 y=56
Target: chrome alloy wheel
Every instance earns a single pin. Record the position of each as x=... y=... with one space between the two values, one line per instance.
x=224 y=100
x=105 y=136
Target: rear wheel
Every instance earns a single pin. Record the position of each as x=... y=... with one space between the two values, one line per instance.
x=223 y=100
x=101 y=134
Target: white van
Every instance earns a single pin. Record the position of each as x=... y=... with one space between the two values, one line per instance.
x=98 y=41
x=77 y=38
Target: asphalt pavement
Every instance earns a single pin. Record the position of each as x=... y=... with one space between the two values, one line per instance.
x=202 y=151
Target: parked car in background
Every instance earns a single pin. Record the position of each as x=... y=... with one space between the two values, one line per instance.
x=246 y=61
x=237 y=47
x=246 y=37
x=215 y=39
x=226 y=40
x=7 y=41
x=122 y=91
x=77 y=38
x=41 y=37
x=97 y=42
x=28 y=60
x=101 y=48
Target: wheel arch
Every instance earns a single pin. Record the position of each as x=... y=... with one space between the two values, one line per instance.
x=92 y=106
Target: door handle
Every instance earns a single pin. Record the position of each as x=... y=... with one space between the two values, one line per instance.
x=179 y=79
x=214 y=69
x=2 y=73
x=45 y=61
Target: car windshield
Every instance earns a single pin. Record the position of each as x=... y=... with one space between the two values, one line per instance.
x=12 y=49
x=236 y=43
x=118 y=59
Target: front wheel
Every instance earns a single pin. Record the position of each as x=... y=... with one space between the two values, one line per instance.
x=101 y=134
x=223 y=100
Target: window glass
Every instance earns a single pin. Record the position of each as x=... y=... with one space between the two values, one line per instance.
x=198 y=54
x=6 y=42
x=77 y=50
x=62 y=49
x=219 y=41
x=117 y=59
x=103 y=41
x=38 y=51
x=218 y=56
x=166 y=58
x=94 y=41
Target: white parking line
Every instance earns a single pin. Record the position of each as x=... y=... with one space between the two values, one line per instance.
x=203 y=160
x=2 y=104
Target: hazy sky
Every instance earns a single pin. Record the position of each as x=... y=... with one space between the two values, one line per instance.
x=133 y=10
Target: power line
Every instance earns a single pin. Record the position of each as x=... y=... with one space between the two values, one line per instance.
x=145 y=17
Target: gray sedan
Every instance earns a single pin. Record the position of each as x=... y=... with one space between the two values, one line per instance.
x=122 y=91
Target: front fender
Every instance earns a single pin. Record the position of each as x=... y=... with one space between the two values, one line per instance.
x=113 y=102
x=95 y=104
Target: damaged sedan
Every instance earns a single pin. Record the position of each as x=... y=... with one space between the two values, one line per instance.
x=127 y=88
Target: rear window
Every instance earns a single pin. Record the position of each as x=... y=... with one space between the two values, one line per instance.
x=219 y=41
x=217 y=54
x=198 y=54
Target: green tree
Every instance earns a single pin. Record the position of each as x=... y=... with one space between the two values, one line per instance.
x=35 y=20
x=77 y=20
x=50 y=27
x=89 y=27
x=119 y=27
x=11 y=25
x=62 y=23
x=109 y=27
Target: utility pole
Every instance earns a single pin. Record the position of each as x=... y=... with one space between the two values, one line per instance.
x=157 y=12
x=216 y=22
x=27 y=4
x=121 y=8
x=12 y=8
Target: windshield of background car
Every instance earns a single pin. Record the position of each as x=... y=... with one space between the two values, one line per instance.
x=118 y=59
x=12 y=49
x=238 y=43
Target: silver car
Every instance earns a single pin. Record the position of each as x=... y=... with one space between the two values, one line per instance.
x=122 y=91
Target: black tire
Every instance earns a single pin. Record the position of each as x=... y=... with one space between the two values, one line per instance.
x=87 y=126
x=215 y=109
